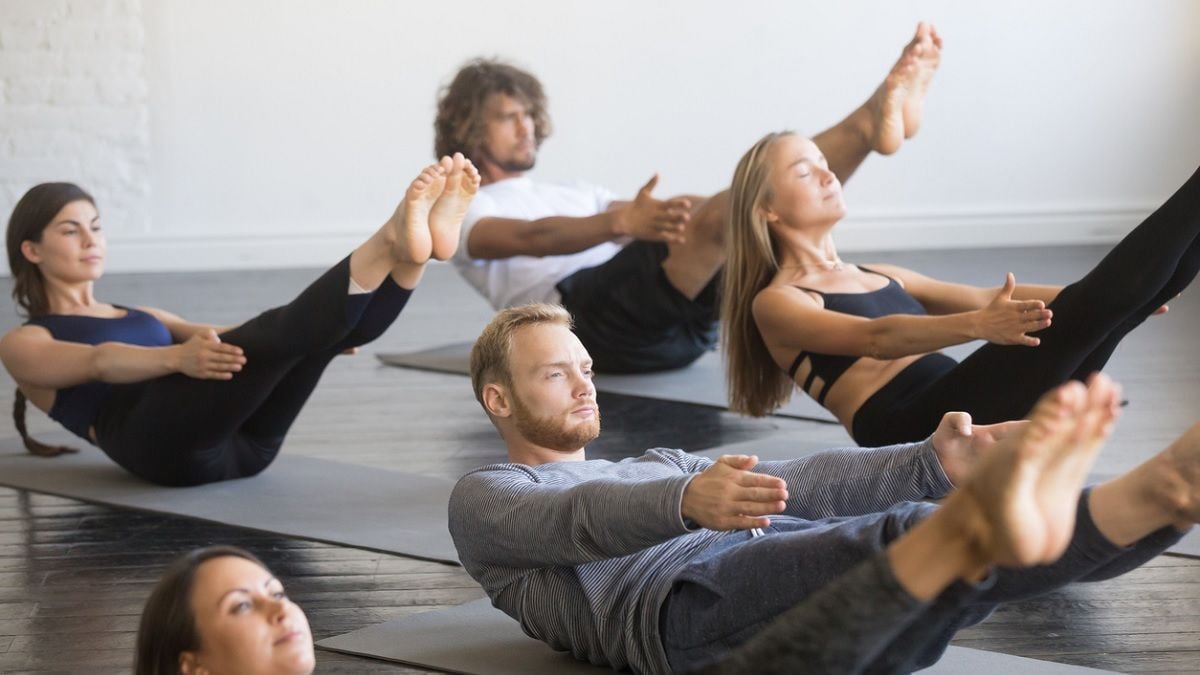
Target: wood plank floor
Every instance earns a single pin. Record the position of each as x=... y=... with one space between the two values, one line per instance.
x=73 y=576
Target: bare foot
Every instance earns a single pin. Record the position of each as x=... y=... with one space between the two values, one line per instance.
x=893 y=113
x=1177 y=484
x=409 y=225
x=926 y=49
x=445 y=220
x=884 y=111
x=1022 y=498
x=960 y=445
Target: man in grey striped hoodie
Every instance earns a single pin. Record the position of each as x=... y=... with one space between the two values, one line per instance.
x=829 y=563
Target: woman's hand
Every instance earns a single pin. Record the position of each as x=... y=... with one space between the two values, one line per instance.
x=1005 y=321
x=205 y=357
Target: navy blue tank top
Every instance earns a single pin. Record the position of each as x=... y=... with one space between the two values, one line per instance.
x=76 y=407
x=891 y=299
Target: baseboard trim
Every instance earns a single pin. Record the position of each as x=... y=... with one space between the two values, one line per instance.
x=995 y=229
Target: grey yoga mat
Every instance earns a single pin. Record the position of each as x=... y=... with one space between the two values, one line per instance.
x=296 y=496
x=478 y=639
x=702 y=383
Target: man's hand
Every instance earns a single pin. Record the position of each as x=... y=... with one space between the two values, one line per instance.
x=728 y=496
x=960 y=444
x=650 y=219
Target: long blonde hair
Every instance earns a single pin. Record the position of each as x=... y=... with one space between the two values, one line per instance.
x=756 y=384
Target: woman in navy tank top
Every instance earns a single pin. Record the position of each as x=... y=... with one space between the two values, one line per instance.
x=864 y=342
x=180 y=403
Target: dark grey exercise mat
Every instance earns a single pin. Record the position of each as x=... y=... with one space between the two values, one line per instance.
x=300 y=497
x=478 y=639
x=702 y=383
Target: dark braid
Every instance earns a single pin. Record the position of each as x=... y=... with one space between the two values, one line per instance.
x=33 y=446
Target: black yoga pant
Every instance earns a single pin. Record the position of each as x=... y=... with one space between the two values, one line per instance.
x=177 y=430
x=1151 y=265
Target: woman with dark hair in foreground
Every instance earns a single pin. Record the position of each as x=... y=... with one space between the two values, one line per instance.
x=220 y=610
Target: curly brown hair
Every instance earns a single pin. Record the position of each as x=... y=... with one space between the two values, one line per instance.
x=459 y=125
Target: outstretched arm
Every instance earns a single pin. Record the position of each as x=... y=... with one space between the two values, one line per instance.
x=34 y=358
x=791 y=319
x=509 y=516
x=646 y=218
x=854 y=481
x=944 y=297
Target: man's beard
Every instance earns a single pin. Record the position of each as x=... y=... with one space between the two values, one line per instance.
x=511 y=165
x=551 y=432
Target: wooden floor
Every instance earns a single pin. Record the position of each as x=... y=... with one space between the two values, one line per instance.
x=73 y=576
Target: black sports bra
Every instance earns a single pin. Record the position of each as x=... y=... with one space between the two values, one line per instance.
x=891 y=299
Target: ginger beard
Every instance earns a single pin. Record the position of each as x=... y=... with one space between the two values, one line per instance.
x=552 y=431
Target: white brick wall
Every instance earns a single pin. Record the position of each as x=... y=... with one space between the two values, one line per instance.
x=73 y=104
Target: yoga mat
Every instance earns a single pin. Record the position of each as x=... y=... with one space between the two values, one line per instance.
x=477 y=639
x=702 y=383
x=300 y=497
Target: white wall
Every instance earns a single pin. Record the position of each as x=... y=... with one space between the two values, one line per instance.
x=282 y=131
x=73 y=104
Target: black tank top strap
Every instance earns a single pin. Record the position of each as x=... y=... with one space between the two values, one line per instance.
x=796 y=364
x=812 y=376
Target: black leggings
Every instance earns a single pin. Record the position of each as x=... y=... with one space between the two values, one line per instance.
x=177 y=430
x=1151 y=265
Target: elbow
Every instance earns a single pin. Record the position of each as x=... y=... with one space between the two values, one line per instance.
x=888 y=346
x=537 y=244
x=97 y=365
x=879 y=344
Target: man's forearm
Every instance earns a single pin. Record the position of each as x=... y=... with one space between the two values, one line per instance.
x=554 y=235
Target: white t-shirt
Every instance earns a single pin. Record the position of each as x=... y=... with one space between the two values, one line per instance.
x=523 y=279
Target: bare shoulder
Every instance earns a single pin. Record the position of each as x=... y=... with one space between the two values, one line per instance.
x=20 y=339
x=780 y=302
x=902 y=275
x=25 y=334
x=779 y=296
